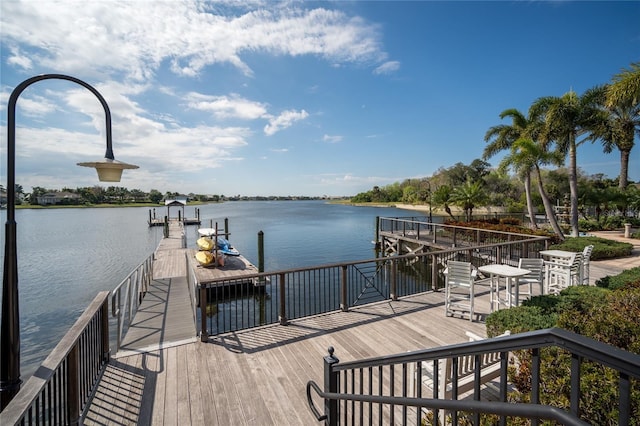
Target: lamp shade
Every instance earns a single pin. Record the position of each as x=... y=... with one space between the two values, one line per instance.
x=109 y=170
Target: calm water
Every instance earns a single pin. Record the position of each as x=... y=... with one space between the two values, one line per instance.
x=66 y=256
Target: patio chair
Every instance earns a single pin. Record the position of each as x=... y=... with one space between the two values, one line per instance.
x=586 y=256
x=536 y=266
x=563 y=275
x=459 y=288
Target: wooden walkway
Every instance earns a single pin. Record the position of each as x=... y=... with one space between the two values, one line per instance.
x=165 y=317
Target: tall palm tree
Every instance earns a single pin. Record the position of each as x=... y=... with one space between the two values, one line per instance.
x=621 y=100
x=527 y=156
x=625 y=86
x=502 y=137
x=567 y=118
x=616 y=127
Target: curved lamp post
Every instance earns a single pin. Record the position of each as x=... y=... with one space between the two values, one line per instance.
x=109 y=170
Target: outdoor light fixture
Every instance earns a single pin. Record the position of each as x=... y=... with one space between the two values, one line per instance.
x=109 y=170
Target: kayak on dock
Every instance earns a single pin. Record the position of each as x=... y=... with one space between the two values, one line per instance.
x=204 y=243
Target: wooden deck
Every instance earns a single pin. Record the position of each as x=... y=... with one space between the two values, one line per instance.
x=258 y=376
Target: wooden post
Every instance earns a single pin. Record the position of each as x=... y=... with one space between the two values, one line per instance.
x=282 y=289
x=166 y=226
x=260 y=251
x=331 y=384
x=434 y=272
x=377 y=231
x=226 y=228
x=150 y=217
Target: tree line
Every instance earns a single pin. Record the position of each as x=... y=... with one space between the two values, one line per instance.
x=547 y=135
x=109 y=195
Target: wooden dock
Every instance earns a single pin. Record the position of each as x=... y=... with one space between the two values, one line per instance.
x=235 y=267
x=186 y=221
x=258 y=376
x=165 y=317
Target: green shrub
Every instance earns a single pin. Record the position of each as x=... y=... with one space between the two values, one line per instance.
x=613 y=222
x=618 y=281
x=602 y=248
x=519 y=320
x=609 y=316
x=588 y=225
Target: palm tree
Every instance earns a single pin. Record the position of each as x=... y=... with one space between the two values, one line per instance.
x=566 y=119
x=468 y=196
x=502 y=137
x=442 y=198
x=616 y=127
x=625 y=87
x=620 y=103
x=527 y=156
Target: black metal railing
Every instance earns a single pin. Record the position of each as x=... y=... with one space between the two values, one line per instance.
x=231 y=304
x=62 y=386
x=388 y=390
x=420 y=229
x=127 y=297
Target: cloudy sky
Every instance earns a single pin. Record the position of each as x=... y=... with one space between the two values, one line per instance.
x=293 y=98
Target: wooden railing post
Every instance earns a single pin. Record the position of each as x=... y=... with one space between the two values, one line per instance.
x=204 y=334
x=283 y=305
x=73 y=386
x=331 y=384
x=344 y=303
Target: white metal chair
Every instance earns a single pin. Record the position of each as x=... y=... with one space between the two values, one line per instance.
x=459 y=291
x=536 y=266
x=586 y=256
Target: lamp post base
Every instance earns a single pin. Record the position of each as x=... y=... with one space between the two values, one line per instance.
x=8 y=389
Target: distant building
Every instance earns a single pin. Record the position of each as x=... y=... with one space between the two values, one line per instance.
x=53 y=198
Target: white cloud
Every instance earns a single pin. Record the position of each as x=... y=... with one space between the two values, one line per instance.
x=232 y=106
x=19 y=59
x=103 y=37
x=332 y=139
x=284 y=120
x=387 y=68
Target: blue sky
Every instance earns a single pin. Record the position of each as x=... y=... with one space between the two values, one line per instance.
x=294 y=98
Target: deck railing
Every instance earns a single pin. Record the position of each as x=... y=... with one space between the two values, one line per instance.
x=420 y=229
x=61 y=387
x=378 y=390
x=267 y=298
x=128 y=295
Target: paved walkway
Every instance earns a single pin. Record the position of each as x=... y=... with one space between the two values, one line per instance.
x=602 y=268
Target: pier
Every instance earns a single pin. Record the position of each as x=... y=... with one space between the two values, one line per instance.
x=164 y=374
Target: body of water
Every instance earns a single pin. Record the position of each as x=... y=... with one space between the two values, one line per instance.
x=66 y=256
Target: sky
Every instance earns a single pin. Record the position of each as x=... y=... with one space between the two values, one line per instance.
x=285 y=98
